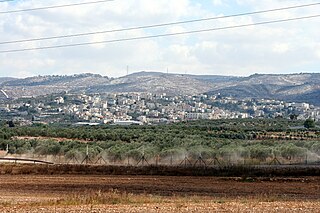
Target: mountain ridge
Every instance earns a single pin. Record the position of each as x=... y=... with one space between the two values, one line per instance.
x=303 y=87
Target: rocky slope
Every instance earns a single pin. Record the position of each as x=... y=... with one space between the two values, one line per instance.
x=288 y=87
x=5 y=79
x=155 y=83
x=43 y=85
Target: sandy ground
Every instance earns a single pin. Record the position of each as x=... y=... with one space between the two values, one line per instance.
x=286 y=207
x=32 y=193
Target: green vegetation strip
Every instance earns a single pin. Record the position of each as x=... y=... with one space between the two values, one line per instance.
x=242 y=141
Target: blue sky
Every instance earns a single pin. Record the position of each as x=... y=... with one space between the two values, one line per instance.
x=291 y=47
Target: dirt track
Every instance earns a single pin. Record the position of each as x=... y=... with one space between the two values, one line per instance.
x=235 y=193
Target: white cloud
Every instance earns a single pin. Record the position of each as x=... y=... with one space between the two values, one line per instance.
x=280 y=48
x=241 y=51
x=217 y=2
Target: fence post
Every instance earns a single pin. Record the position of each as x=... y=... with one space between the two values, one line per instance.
x=306 y=160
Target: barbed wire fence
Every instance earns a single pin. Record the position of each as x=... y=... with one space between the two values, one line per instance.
x=171 y=159
x=180 y=161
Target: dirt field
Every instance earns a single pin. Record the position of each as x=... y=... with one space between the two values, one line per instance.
x=78 y=193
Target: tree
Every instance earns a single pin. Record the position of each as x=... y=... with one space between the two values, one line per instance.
x=309 y=123
x=293 y=117
x=11 y=124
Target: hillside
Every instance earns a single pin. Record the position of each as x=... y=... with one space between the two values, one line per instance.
x=5 y=79
x=43 y=85
x=288 y=87
x=156 y=83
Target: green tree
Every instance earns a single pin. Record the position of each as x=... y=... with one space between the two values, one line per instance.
x=293 y=117
x=309 y=123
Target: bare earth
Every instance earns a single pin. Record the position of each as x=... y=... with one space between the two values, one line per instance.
x=32 y=193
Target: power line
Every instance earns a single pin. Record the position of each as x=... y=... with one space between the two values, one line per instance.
x=159 y=35
x=55 y=6
x=157 y=25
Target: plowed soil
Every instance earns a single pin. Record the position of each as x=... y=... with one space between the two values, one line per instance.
x=30 y=193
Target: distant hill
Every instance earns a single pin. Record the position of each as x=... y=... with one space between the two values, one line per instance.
x=156 y=83
x=288 y=87
x=5 y=79
x=43 y=85
x=216 y=78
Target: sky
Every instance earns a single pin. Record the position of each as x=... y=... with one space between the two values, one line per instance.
x=290 y=47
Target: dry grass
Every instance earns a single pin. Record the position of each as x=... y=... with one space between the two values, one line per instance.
x=115 y=197
x=101 y=193
x=115 y=201
x=112 y=197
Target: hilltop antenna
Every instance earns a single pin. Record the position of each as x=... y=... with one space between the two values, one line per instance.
x=167 y=70
x=127 y=70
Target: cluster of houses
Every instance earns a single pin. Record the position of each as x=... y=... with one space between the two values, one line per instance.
x=148 y=108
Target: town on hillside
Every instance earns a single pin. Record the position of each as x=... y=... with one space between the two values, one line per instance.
x=146 y=108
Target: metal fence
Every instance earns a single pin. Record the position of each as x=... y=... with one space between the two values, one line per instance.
x=171 y=160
